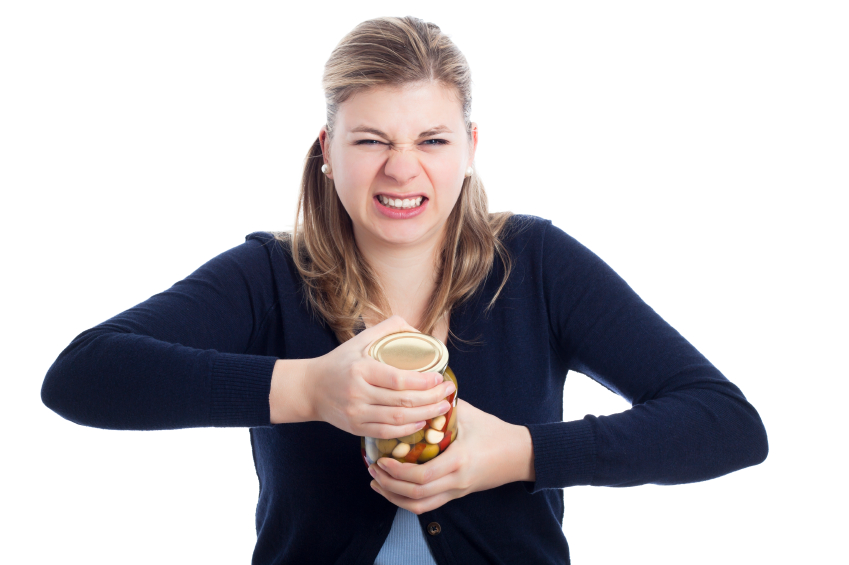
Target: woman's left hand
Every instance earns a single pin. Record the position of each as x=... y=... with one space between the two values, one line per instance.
x=488 y=452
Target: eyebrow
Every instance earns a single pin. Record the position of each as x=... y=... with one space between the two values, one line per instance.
x=426 y=133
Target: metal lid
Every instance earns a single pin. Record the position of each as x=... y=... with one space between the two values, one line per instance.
x=411 y=351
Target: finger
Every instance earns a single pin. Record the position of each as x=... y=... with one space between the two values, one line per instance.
x=409 y=398
x=410 y=490
x=396 y=416
x=386 y=376
x=414 y=506
x=391 y=325
x=432 y=470
x=387 y=431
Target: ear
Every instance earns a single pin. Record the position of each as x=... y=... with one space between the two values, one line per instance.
x=324 y=140
x=474 y=144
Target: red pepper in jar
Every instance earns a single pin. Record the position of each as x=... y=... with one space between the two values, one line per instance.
x=445 y=442
x=414 y=453
x=447 y=419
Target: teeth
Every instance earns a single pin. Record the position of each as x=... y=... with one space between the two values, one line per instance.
x=398 y=203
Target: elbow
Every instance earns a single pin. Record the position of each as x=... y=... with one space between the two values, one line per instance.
x=759 y=440
x=742 y=431
x=65 y=391
x=745 y=438
x=56 y=392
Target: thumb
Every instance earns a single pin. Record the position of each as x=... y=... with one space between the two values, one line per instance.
x=388 y=326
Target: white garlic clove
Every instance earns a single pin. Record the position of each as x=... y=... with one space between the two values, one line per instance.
x=401 y=450
x=433 y=436
x=438 y=423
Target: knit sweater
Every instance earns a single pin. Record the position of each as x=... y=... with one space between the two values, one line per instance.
x=201 y=354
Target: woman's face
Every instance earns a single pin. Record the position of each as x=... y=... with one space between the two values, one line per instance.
x=395 y=144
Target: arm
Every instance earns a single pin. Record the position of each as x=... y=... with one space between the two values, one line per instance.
x=183 y=359
x=688 y=422
x=178 y=359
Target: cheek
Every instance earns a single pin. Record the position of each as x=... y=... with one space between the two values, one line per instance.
x=351 y=178
x=448 y=174
x=359 y=168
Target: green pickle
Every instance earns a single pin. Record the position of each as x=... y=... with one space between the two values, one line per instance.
x=413 y=439
x=415 y=351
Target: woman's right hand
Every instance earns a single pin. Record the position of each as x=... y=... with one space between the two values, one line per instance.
x=355 y=393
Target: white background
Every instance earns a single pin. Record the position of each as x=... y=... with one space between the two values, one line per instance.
x=700 y=148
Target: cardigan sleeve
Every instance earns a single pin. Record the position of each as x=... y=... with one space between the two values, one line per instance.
x=687 y=422
x=177 y=360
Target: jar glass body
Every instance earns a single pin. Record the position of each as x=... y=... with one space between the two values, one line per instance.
x=423 y=445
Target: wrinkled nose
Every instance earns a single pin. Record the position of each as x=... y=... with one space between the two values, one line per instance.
x=402 y=165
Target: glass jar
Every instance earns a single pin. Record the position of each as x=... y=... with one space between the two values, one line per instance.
x=415 y=352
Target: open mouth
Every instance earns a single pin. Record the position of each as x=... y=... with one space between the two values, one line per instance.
x=401 y=204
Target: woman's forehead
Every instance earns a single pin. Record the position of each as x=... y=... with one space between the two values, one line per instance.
x=407 y=110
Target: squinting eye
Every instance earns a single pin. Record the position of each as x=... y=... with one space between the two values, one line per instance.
x=367 y=142
x=434 y=142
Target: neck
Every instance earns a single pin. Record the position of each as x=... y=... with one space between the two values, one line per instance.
x=406 y=272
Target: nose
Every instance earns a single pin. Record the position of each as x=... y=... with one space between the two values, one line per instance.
x=402 y=165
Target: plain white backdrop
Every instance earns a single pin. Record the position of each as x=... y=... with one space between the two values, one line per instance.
x=700 y=148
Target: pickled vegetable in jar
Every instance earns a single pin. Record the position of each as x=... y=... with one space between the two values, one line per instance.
x=413 y=351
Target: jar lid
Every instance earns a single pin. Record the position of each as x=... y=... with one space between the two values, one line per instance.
x=411 y=351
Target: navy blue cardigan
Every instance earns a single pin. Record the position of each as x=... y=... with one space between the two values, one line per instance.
x=202 y=353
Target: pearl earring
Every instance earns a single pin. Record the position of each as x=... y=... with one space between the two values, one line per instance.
x=469 y=172
x=325 y=168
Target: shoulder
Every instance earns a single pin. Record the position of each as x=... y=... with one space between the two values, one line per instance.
x=522 y=223
x=275 y=245
x=537 y=245
x=267 y=239
x=522 y=229
x=274 y=249
x=258 y=257
x=527 y=234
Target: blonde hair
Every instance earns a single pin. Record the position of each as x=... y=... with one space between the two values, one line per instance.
x=339 y=284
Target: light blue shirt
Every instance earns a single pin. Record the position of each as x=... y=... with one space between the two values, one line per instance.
x=406 y=542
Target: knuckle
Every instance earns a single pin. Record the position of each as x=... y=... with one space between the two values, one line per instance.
x=427 y=475
x=397 y=381
x=405 y=401
x=398 y=417
x=465 y=484
x=417 y=492
x=351 y=413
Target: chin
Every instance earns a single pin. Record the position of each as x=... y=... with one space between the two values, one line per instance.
x=403 y=237
x=404 y=234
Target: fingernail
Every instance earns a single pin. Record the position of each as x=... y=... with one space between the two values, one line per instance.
x=382 y=465
x=450 y=388
x=420 y=425
x=374 y=487
x=372 y=472
x=437 y=378
x=444 y=407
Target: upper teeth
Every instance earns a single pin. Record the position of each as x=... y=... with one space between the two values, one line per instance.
x=398 y=203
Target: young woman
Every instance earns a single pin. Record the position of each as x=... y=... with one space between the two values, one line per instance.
x=393 y=234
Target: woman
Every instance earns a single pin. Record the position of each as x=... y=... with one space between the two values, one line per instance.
x=393 y=234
